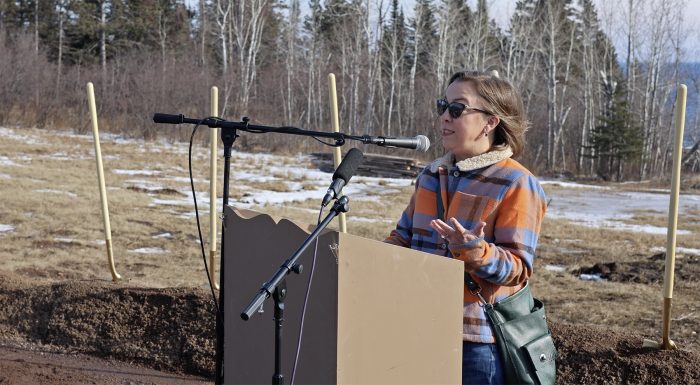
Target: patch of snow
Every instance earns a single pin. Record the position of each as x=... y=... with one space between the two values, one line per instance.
x=148 y=250
x=606 y=209
x=183 y=179
x=65 y=240
x=555 y=268
x=51 y=191
x=572 y=185
x=352 y=218
x=163 y=235
x=244 y=176
x=136 y=172
x=682 y=250
x=25 y=138
x=5 y=176
x=5 y=161
x=591 y=277
x=6 y=228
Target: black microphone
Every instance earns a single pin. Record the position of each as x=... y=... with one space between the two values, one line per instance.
x=342 y=175
x=420 y=142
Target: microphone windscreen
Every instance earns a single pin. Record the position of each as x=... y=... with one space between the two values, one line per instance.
x=423 y=143
x=167 y=118
x=349 y=165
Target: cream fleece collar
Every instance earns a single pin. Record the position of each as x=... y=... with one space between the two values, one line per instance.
x=473 y=163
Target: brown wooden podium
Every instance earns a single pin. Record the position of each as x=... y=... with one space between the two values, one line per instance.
x=377 y=313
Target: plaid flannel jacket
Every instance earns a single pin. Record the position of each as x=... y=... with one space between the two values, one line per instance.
x=500 y=192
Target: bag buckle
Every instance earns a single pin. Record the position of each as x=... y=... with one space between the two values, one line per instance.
x=477 y=293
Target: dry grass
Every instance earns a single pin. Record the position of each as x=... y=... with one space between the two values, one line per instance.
x=53 y=204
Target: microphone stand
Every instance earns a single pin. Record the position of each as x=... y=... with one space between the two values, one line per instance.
x=228 y=136
x=277 y=286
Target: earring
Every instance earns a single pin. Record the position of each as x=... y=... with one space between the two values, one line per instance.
x=486 y=133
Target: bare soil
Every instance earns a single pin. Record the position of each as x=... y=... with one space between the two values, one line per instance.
x=92 y=331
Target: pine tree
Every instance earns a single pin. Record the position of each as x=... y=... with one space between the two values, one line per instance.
x=617 y=139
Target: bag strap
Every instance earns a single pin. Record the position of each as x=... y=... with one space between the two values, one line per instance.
x=474 y=287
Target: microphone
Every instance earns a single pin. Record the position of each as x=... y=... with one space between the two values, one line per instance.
x=342 y=175
x=168 y=118
x=420 y=142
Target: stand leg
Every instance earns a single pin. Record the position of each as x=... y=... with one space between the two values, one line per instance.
x=228 y=136
x=279 y=294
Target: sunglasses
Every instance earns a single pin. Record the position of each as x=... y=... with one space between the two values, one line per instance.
x=455 y=109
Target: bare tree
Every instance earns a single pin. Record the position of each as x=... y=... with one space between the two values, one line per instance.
x=248 y=22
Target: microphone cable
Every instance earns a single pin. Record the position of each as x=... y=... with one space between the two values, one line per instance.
x=196 y=210
x=306 y=299
x=196 y=214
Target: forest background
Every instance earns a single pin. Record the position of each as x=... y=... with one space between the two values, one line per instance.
x=596 y=110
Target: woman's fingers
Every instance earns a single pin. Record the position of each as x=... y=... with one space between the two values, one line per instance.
x=457 y=232
x=458 y=226
x=479 y=229
x=441 y=227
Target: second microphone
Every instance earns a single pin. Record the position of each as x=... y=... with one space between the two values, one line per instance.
x=342 y=174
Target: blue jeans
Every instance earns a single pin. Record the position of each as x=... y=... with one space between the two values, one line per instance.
x=481 y=364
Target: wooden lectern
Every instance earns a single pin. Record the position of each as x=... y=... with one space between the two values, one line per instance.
x=376 y=313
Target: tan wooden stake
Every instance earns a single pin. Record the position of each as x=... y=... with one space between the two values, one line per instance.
x=336 y=128
x=672 y=224
x=213 y=140
x=101 y=180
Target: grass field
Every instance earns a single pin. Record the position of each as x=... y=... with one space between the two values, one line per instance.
x=51 y=227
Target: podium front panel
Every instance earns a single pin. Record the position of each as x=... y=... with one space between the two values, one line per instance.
x=399 y=315
x=256 y=245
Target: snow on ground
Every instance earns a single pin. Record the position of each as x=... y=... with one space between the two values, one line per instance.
x=148 y=250
x=583 y=204
x=52 y=191
x=6 y=228
x=136 y=172
x=608 y=208
x=679 y=250
x=572 y=185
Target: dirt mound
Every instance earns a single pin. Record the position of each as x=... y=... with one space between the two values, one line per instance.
x=648 y=270
x=167 y=329
x=173 y=329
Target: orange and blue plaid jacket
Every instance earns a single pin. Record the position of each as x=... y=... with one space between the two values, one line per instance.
x=506 y=196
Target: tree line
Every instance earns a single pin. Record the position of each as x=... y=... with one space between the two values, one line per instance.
x=593 y=110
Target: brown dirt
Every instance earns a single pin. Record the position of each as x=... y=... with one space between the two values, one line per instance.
x=90 y=331
x=648 y=270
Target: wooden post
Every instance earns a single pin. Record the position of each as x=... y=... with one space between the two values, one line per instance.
x=213 y=140
x=336 y=128
x=101 y=182
x=673 y=217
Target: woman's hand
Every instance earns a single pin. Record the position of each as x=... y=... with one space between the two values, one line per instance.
x=457 y=234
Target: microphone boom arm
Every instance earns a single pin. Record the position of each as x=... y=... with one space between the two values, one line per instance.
x=244 y=125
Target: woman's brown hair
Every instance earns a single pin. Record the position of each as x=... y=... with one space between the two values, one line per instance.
x=502 y=100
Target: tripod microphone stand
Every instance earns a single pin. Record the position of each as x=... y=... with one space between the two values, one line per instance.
x=277 y=287
x=229 y=133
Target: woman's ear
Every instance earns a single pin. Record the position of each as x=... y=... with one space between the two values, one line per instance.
x=493 y=121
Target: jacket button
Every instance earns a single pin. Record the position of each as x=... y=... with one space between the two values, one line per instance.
x=443 y=246
x=456 y=174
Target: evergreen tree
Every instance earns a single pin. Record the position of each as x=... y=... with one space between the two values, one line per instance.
x=617 y=139
x=423 y=29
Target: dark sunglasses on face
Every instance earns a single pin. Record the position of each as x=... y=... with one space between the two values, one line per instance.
x=455 y=109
